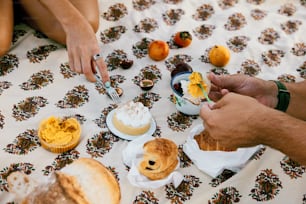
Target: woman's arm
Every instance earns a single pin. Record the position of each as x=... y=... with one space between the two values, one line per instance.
x=73 y=23
x=6 y=25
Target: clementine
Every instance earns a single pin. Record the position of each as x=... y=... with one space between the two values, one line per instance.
x=219 y=56
x=158 y=50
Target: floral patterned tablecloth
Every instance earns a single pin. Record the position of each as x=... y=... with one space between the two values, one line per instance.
x=266 y=39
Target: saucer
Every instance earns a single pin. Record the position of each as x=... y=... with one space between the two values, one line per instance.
x=115 y=131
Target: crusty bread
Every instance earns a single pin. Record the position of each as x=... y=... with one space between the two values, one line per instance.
x=207 y=143
x=85 y=181
x=159 y=159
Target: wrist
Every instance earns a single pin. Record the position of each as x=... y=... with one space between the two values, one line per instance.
x=283 y=97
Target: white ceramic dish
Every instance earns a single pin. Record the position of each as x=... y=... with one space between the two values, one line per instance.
x=115 y=131
x=182 y=104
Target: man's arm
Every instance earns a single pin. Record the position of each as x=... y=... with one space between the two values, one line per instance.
x=297 y=104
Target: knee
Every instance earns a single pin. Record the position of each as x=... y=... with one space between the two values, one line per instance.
x=94 y=23
x=5 y=46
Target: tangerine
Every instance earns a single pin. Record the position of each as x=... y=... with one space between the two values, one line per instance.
x=219 y=56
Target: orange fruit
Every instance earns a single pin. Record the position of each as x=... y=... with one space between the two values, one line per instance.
x=158 y=50
x=182 y=39
x=219 y=56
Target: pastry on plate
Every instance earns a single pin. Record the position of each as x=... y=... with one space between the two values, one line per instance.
x=207 y=143
x=59 y=134
x=132 y=118
x=84 y=181
x=160 y=158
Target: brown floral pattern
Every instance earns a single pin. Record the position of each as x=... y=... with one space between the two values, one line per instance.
x=28 y=107
x=74 y=98
x=26 y=168
x=184 y=191
x=40 y=53
x=267 y=186
x=38 y=80
x=115 y=12
x=112 y=34
x=24 y=143
x=146 y=25
x=204 y=12
x=7 y=64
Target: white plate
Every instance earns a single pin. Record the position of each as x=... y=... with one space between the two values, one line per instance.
x=115 y=131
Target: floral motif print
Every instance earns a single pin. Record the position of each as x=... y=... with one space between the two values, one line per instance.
x=28 y=108
x=26 y=168
x=76 y=97
x=61 y=161
x=7 y=63
x=146 y=25
x=235 y=22
x=176 y=59
x=172 y=1
x=147 y=99
x=256 y=2
x=112 y=34
x=302 y=70
x=250 y=67
x=179 y=122
x=184 y=191
x=227 y=195
x=268 y=36
x=172 y=16
x=40 y=53
x=287 y=9
x=140 y=49
x=299 y=49
x=100 y=144
x=66 y=71
x=101 y=121
x=24 y=143
x=38 y=80
x=267 y=186
x=225 y=4
x=185 y=161
x=292 y=168
x=288 y=78
x=140 y=5
x=204 y=12
x=146 y=197
x=291 y=26
x=18 y=33
x=272 y=58
x=149 y=72
x=115 y=12
x=1 y=120
x=258 y=14
x=114 y=59
x=238 y=43
x=4 y=85
x=226 y=174
x=204 y=31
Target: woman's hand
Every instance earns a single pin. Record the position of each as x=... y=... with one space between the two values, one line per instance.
x=264 y=91
x=82 y=45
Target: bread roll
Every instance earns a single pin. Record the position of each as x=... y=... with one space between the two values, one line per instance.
x=207 y=143
x=159 y=159
x=85 y=181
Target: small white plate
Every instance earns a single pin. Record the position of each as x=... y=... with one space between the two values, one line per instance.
x=115 y=131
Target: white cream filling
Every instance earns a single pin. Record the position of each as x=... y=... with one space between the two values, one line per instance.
x=134 y=114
